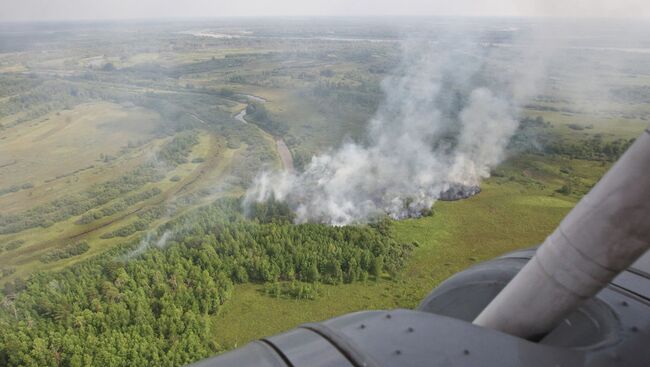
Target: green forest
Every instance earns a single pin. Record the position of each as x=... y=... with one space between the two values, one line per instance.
x=149 y=308
x=128 y=151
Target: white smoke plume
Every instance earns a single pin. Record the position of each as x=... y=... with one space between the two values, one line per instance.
x=147 y=242
x=445 y=121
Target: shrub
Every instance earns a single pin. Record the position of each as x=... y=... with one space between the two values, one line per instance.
x=65 y=252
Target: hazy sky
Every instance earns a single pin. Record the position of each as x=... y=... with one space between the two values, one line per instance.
x=17 y=10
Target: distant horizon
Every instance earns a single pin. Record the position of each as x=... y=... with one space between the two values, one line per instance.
x=114 y=10
x=342 y=17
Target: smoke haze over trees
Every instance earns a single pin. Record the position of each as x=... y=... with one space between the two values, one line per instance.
x=446 y=120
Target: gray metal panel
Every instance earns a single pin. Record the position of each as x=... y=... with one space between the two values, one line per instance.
x=634 y=283
x=612 y=328
x=465 y=294
x=643 y=264
x=255 y=354
x=410 y=338
x=302 y=347
x=606 y=232
x=520 y=254
x=592 y=327
x=632 y=348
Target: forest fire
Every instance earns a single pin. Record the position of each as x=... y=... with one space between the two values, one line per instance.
x=459 y=192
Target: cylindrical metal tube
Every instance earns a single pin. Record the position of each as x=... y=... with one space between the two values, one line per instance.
x=603 y=235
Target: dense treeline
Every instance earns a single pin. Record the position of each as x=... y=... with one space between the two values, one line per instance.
x=176 y=151
x=12 y=84
x=592 y=149
x=51 y=95
x=632 y=94
x=11 y=245
x=144 y=220
x=16 y=188
x=76 y=204
x=232 y=63
x=65 y=252
x=118 y=205
x=173 y=152
x=367 y=95
x=57 y=94
x=532 y=137
x=294 y=289
x=258 y=114
x=149 y=308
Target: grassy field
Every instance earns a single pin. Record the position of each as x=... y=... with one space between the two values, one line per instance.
x=66 y=145
x=206 y=165
x=590 y=124
x=507 y=215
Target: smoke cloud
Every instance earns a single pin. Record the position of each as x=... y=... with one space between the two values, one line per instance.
x=447 y=117
x=147 y=242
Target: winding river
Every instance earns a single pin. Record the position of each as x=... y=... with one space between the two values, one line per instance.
x=280 y=145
